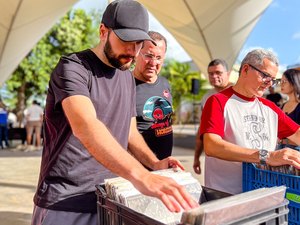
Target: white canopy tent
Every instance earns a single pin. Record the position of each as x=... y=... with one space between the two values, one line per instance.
x=209 y=29
x=205 y=28
x=22 y=24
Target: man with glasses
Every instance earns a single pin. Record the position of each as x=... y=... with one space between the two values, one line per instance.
x=153 y=97
x=238 y=125
x=90 y=125
x=218 y=76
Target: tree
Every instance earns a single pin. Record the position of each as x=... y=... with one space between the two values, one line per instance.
x=180 y=77
x=74 y=32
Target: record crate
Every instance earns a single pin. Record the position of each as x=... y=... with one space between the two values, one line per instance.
x=254 y=178
x=111 y=212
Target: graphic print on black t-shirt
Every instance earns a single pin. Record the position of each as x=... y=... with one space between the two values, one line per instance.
x=159 y=111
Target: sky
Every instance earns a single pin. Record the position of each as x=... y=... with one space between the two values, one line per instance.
x=278 y=29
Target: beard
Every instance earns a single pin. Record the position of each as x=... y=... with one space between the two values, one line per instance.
x=115 y=60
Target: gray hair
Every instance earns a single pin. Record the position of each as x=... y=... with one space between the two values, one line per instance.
x=257 y=56
x=156 y=36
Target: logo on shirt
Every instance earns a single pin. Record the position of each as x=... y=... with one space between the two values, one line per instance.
x=159 y=111
x=255 y=131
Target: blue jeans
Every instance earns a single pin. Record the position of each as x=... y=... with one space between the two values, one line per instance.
x=3 y=135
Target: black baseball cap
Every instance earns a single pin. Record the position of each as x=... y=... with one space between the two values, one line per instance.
x=128 y=19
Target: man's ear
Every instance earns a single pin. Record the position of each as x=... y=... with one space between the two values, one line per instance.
x=245 y=68
x=103 y=30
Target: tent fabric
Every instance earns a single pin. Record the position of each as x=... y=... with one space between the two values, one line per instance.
x=208 y=29
x=205 y=29
x=22 y=24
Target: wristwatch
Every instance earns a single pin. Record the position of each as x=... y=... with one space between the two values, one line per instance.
x=263 y=156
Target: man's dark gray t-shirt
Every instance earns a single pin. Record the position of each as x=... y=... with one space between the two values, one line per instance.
x=68 y=172
x=154 y=115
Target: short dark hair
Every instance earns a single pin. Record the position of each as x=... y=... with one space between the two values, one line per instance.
x=216 y=62
x=156 y=36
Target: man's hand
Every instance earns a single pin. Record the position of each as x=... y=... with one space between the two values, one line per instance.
x=285 y=156
x=169 y=162
x=173 y=195
x=197 y=154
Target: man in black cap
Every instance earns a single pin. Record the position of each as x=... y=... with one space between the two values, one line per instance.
x=90 y=125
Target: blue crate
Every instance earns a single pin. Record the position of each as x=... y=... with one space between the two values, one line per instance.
x=254 y=178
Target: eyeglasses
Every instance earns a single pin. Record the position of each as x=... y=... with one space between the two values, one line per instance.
x=265 y=77
x=150 y=57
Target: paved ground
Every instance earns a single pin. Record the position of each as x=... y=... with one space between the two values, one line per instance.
x=19 y=173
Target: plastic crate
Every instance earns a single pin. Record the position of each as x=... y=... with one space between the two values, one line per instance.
x=254 y=178
x=111 y=212
x=274 y=216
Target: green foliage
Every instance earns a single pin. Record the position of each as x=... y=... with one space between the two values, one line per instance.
x=74 y=32
x=180 y=77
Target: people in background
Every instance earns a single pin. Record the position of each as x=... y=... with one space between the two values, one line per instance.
x=218 y=76
x=3 y=126
x=290 y=85
x=274 y=96
x=34 y=120
x=153 y=97
x=12 y=120
x=238 y=125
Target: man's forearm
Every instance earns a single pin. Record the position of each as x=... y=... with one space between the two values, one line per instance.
x=110 y=153
x=198 y=148
x=140 y=150
x=295 y=137
x=98 y=140
x=215 y=146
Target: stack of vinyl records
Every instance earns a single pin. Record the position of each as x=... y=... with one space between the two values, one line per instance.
x=287 y=169
x=234 y=207
x=125 y=193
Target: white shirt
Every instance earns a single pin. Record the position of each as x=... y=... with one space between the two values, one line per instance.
x=34 y=113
